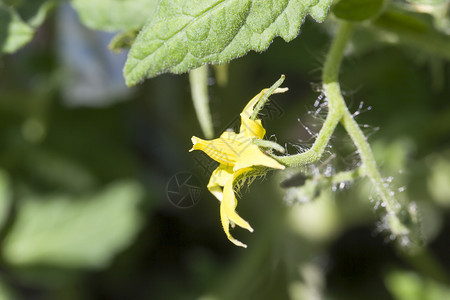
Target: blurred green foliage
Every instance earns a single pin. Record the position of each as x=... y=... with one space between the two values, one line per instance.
x=410 y=286
x=19 y=20
x=63 y=231
x=114 y=15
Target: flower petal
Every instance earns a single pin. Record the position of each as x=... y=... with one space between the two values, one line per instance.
x=229 y=203
x=248 y=109
x=226 y=227
x=253 y=156
x=218 y=179
x=251 y=128
x=223 y=150
x=228 y=215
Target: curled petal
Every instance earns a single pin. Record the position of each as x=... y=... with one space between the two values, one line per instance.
x=218 y=179
x=224 y=150
x=229 y=203
x=228 y=213
x=253 y=156
x=248 y=109
x=251 y=128
x=226 y=227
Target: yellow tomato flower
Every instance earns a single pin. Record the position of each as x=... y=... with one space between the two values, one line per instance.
x=239 y=158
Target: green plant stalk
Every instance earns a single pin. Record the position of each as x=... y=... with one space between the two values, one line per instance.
x=268 y=145
x=391 y=204
x=398 y=219
x=336 y=104
x=265 y=97
x=198 y=79
x=338 y=109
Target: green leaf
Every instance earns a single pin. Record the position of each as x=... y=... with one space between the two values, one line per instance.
x=114 y=15
x=357 y=10
x=5 y=291
x=67 y=232
x=438 y=180
x=183 y=35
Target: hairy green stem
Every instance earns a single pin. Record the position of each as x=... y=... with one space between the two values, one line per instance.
x=269 y=145
x=338 y=110
x=336 y=104
x=369 y=166
x=265 y=97
x=198 y=79
x=400 y=219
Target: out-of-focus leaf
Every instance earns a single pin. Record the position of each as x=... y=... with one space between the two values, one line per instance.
x=52 y=170
x=357 y=10
x=14 y=33
x=438 y=9
x=34 y=12
x=410 y=286
x=429 y=2
x=312 y=282
x=18 y=21
x=316 y=220
x=304 y=193
x=393 y=154
x=183 y=35
x=5 y=293
x=67 y=232
x=113 y=15
x=5 y=198
x=439 y=180
x=414 y=30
